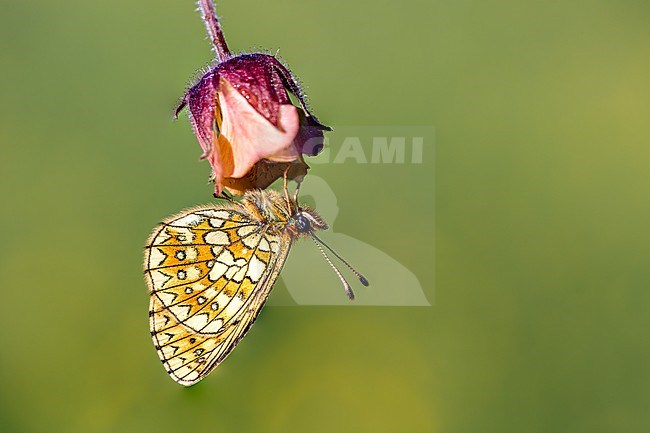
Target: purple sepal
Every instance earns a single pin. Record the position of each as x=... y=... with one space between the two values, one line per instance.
x=201 y=100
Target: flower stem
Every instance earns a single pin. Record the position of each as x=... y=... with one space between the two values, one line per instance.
x=214 y=30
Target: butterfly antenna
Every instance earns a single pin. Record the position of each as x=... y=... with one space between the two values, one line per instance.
x=346 y=286
x=361 y=278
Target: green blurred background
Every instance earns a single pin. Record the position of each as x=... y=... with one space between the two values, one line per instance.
x=535 y=200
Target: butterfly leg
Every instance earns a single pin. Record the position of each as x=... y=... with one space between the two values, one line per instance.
x=285 y=187
x=295 y=193
x=224 y=195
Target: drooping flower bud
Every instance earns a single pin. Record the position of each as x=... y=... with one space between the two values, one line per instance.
x=242 y=115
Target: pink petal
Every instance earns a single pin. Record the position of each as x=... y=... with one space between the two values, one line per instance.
x=246 y=137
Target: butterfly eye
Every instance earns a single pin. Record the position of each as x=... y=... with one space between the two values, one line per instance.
x=303 y=223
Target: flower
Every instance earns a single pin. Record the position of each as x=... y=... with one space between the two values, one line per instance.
x=244 y=120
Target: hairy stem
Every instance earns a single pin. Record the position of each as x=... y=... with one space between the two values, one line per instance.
x=214 y=30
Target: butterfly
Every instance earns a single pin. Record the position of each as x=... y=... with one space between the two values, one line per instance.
x=210 y=270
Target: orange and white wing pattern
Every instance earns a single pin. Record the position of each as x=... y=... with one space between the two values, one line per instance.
x=209 y=272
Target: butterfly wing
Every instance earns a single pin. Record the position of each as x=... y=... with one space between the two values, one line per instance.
x=210 y=271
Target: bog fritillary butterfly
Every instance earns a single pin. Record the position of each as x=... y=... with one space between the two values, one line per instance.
x=210 y=270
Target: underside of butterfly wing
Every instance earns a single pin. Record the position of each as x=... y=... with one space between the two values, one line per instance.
x=209 y=272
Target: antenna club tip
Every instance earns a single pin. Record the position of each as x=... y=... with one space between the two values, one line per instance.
x=363 y=280
x=350 y=293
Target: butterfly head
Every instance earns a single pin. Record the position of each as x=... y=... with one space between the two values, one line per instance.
x=305 y=221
